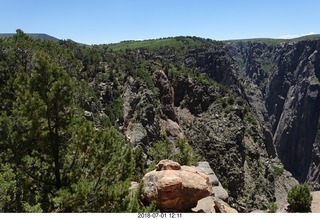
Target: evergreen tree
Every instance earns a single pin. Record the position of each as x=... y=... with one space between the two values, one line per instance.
x=52 y=158
x=179 y=151
x=300 y=198
x=37 y=137
x=99 y=168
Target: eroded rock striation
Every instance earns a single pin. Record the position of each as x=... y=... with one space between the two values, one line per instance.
x=282 y=86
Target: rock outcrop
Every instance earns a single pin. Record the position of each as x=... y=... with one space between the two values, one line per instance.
x=213 y=205
x=216 y=202
x=217 y=190
x=222 y=207
x=168 y=116
x=175 y=188
x=140 y=125
x=166 y=94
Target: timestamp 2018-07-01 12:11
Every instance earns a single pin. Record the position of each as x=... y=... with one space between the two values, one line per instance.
x=160 y=215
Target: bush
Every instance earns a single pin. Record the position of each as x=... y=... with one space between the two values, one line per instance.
x=179 y=151
x=277 y=171
x=299 y=198
x=272 y=207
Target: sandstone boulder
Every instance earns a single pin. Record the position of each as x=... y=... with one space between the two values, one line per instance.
x=175 y=189
x=168 y=165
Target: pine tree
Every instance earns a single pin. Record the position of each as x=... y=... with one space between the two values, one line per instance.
x=300 y=198
x=60 y=160
x=179 y=151
x=99 y=167
x=40 y=116
x=52 y=158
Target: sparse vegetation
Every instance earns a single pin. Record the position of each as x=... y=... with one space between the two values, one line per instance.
x=179 y=151
x=272 y=207
x=250 y=118
x=277 y=171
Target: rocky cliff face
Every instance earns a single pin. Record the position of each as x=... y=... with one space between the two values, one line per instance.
x=284 y=79
x=226 y=138
x=262 y=105
x=216 y=122
x=140 y=125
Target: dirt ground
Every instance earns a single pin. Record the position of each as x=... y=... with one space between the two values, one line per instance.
x=315 y=206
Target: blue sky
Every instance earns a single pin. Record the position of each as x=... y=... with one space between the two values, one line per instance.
x=109 y=21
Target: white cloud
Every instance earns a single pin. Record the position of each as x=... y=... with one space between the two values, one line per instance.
x=291 y=36
x=288 y=36
x=311 y=33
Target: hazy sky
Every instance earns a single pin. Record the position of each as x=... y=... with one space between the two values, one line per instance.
x=109 y=21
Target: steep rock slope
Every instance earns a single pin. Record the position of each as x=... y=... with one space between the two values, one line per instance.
x=282 y=85
x=228 y=141
x=272 y=111
x=217 y=124
x=298 y=100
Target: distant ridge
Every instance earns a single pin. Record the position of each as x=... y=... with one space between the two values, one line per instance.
x=277 y=40
x=37 y=36
x=179 y=41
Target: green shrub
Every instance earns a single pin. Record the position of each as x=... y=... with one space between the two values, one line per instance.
x=179 y=151
x=272 y=207
x=248 y=131
x=299 y=198
x=250 y=118
x=277 y=171
x=183 y=104
x=231 y=100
